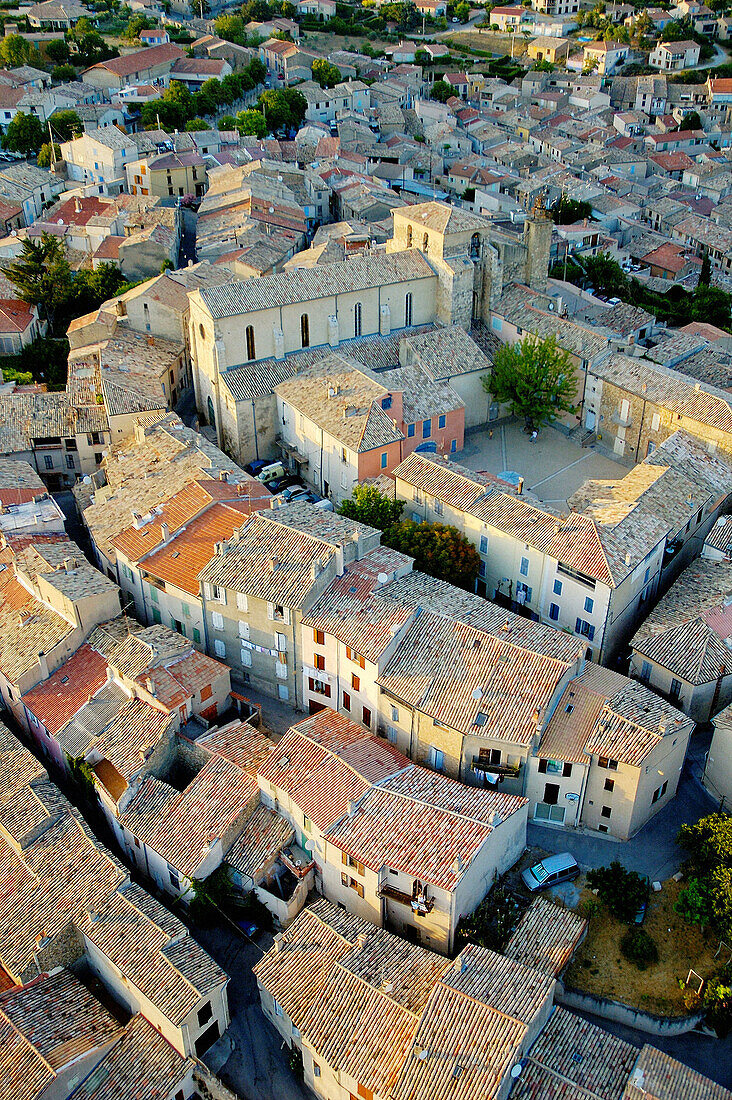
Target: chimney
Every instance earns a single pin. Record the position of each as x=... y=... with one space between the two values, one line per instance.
x=627 y=559
x=279 y=943
x=136 y=520
x=150 y=686
x=43 y=663
x=662 y=726
x=520 y=487
x=361 y=940
x=223 y=474
x=164 y=532
x=151 y=341
x=351 y=807
x=272 y=564
x=77 y=205
x=68 y=564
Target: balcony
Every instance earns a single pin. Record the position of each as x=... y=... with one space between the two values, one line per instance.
x=419 y=904
x=505 y=771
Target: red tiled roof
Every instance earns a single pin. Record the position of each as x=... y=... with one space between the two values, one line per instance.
x=15 y=316
x=141 y=59
x=88 y=208
x=55 y=702
x=109 y=248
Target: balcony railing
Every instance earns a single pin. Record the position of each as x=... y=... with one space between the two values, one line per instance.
x=418 y=904
x=508 y=771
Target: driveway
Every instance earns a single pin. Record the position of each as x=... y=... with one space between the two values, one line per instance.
x=653 y=851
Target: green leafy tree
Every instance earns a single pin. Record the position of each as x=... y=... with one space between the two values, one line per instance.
x=691 y=121
x=46 y=359
x=63 y=73
x=136 y=25
x=542 y=66
x=58 y=50
x=24 y=134
x=421 y=57
x=566 y=211
x=694 y=904
x=439 y=550
x=65 y=124
x=283 y=108
x=369 y=505
x=231 y=28
x=716 y=1000
x=195 y=124
x=713 y=305
x=227 y=122
x=639 y=948
x=535 y=378
x=441 y=91
x=42 y=275
x=257 y=70
x=621 y=891
x=252 y=122
x=14 y=51
x=326 y=74
x=705 y=274
x=44 y=154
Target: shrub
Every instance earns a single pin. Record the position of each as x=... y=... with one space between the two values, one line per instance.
x=639 y=948
x=621 y=891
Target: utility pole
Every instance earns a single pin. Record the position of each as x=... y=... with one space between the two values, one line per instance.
x=53 y=147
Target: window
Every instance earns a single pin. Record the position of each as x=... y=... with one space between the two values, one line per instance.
x=355 y=657
x=219 y=647
x=675 y=689
x=386 y=402
x=352 y=884
x=483 y=544
x=551 y=794
x=219 y=594
x=277 y=1009
x=204 y=1014
x=185 y=611
x=384 y=460
x=217 y=620
x=408 y=308
x=436 y=758
x=357 y=319
x=243 y=628
x=154 y=594
x=610 y=785
x=281 y=643
x=319 y=637
x=659 y=792
x=355 y=682
x=475 y=246
x=606 y=762
x=366 y=716
x=645 y=674
x=584 y=628
x=196 y=635
x=442 y=421
x=346 y=701
x=426 y=429
x=241 y=601
x=453 y=446
x=48 y=461
x=603 y=829
x=251 y=350
x=320 y=662
x=409 y=234
x=438 y=507
x=305 y=330
x=523 y=591
x=394 y=714
x=70 y=462
x=410 y=430
x=319 y=687
x=281 y=670
x=246 y=658
x=606 y=811
x=283 y=692
x=557 y=588
x=524 y=570
x=316 y=1069
x=589 y=604
x=426 y=243
x=567 y=769
x=554 y=611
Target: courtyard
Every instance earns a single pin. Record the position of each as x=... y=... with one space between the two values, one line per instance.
x=553 y=467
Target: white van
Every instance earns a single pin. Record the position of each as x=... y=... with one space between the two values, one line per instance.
x=271 y=472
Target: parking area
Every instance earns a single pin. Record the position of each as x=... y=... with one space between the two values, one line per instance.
x=553 y=467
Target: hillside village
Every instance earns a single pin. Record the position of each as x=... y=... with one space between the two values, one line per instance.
x=365 y=550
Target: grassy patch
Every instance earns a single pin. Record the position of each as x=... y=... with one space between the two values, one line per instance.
x=599 y=966
x=489 y=40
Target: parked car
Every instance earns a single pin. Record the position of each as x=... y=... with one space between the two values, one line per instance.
x=248 y=927
x=548 y=872
x=287 y=482
x=325 y=505
x=255 y=468
x=272 y=472
x=294 y=492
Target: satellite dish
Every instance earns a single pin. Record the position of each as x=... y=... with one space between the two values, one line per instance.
x=87 y=480
x=516 y=1071
x=383 y=578
x=477 y=693
x=423 y=1055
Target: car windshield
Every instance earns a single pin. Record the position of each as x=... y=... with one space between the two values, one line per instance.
x=540 y=872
